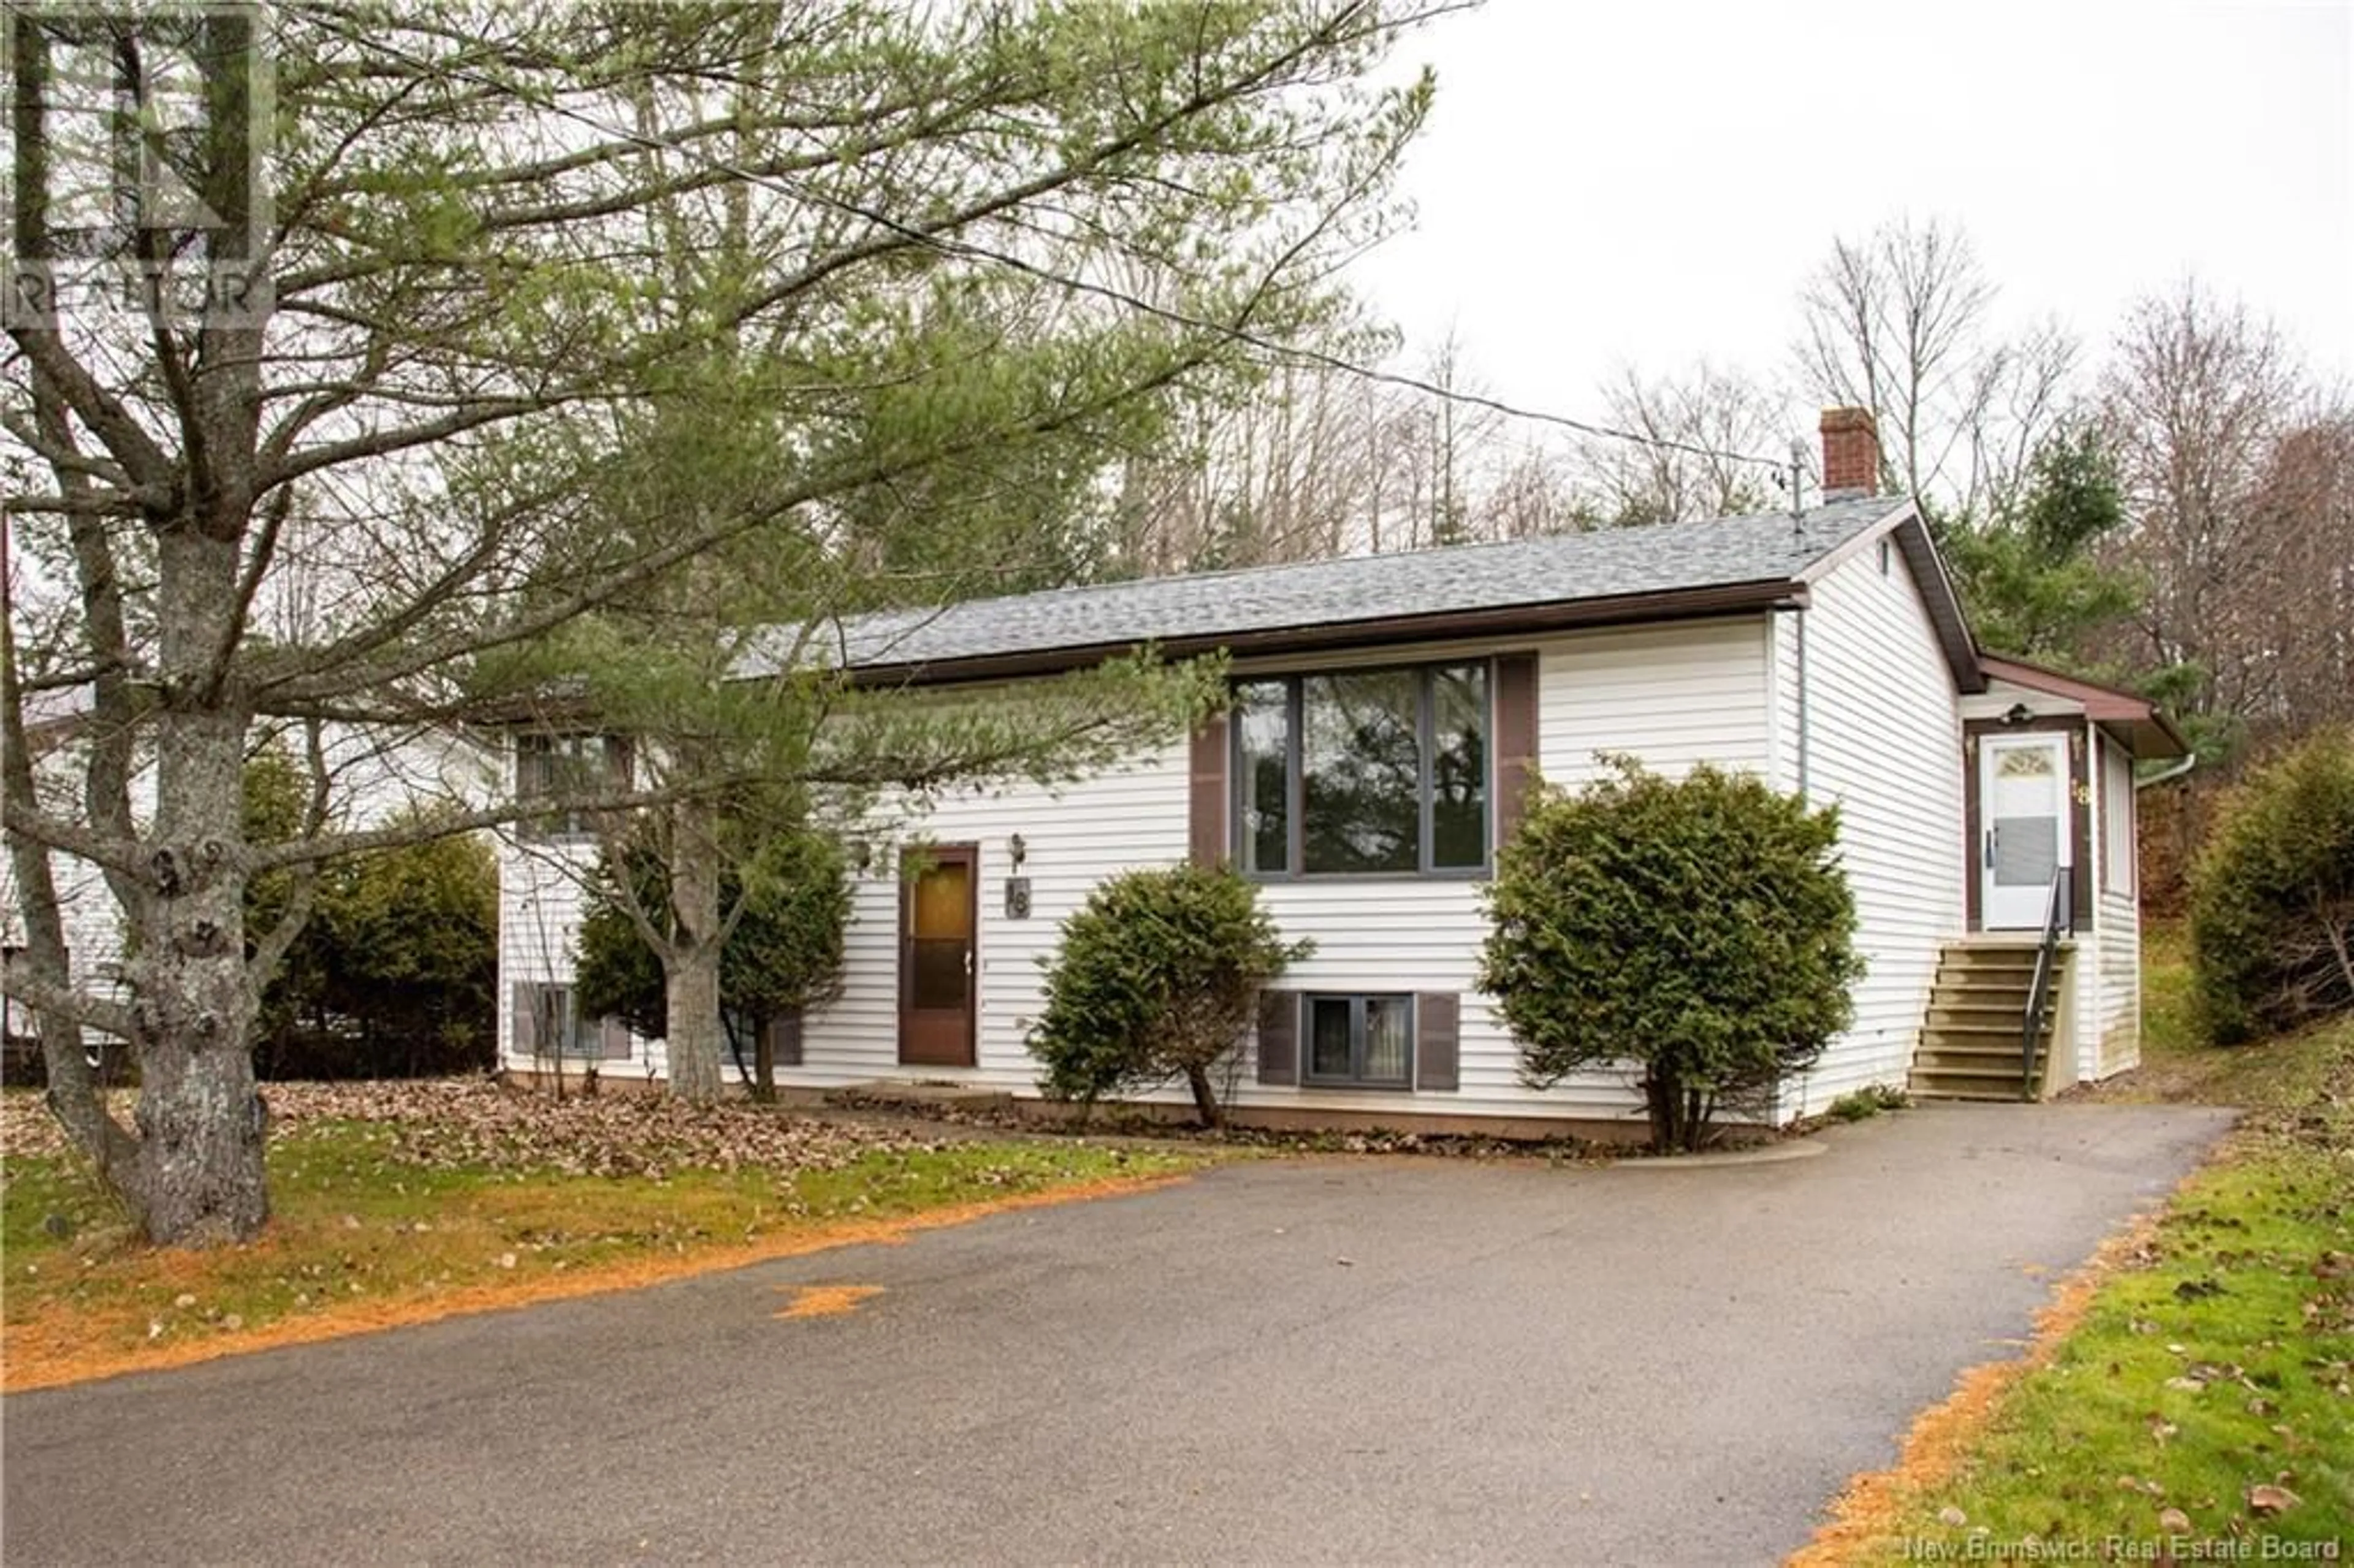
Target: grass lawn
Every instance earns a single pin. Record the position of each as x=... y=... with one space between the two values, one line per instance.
x=397 y=1216
x=2202 y=1407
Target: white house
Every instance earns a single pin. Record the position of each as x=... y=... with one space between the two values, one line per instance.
x=1388 y=712
x=374 y=774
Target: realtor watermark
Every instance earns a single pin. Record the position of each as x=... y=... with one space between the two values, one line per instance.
x=1989 y=1548
x=138 y=174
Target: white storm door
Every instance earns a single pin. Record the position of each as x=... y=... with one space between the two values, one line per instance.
x=2023 y=833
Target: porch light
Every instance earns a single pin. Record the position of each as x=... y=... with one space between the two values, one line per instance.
x=1018 y=849
x=2016 y=713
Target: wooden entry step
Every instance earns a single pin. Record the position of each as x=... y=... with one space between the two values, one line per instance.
x=1969 y=1044
x=918 y=1094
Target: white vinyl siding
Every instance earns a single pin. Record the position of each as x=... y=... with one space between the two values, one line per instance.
x=1073 y=838
x=540 y=901
x=1381 y=935
x=1672 y=696
x=1883 y=743
x=1783 y=655
x=93 y=928
x=1404 y=935
x=542 y=881
x=2113 y=1042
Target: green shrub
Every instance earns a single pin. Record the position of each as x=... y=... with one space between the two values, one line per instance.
x=396 y=973
x=1155 y=980
x=1698 y=928
x=1863 y=1104
x=2272 y=896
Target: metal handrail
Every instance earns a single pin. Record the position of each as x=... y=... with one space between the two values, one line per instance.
x=2047 y=955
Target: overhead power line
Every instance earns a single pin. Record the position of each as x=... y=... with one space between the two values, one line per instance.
x=1786 y=469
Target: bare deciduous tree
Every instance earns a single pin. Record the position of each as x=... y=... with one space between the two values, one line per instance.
x=2306 y=501
x=2233 y=470
x=1699 y=426
x=1901 y=323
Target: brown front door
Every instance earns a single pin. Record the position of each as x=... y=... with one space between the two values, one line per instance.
x=938 y=906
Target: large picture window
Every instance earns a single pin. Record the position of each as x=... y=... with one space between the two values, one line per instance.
x=1363 y=772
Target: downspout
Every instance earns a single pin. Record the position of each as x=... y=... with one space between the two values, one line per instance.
x=2168 y=775
x=1799 y=770
x=1798 y=674
x=1798 y=757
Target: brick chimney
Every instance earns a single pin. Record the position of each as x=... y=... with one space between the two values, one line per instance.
x=1851 y=454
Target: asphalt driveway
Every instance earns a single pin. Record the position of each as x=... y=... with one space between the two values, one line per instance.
x=1383 y=1360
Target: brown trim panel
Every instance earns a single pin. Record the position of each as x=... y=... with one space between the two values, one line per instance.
x=1279 y=1037
x=1437 y=1035
x=1205 y=806
x=1515 y=739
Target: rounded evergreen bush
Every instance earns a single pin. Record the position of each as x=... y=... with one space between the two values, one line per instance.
x=1155 y=980
x=1699 y=928
x=2272 y=896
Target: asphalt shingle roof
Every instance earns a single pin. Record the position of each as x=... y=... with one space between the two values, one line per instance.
x=1766 y=547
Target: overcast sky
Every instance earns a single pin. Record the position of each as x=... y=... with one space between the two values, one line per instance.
x=1647 y=182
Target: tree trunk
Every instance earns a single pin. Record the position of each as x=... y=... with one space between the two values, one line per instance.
x=1665 y=1099
x=763 y=1065
x=198 y=1178
x=1205 y=1098
x=691 y=964
x=691 y=1022
x=72 y=1096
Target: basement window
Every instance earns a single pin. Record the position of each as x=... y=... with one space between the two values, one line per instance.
x=556 y=1021
x=1361 y=1042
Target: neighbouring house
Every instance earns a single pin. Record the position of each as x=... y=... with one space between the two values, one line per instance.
x=1388 y=713
x=374 y=776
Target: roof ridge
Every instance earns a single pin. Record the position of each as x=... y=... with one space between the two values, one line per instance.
x=1800 y=521
x=1486 y=577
